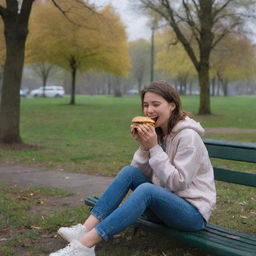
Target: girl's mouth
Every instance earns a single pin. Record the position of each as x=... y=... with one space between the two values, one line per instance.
x=154 y=118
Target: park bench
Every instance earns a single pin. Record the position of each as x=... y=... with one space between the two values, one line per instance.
x=214 y=238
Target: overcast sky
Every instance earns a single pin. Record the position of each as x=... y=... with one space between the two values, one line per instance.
x=136 y=24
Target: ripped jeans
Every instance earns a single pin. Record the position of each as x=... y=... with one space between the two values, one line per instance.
x=156 y=203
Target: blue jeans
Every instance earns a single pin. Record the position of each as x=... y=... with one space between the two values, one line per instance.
x=157 y=203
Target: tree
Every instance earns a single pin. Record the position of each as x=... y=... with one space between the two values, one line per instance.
x=208 y=21
x=140 y=56
x=43 y=70
x=232 y=60
x=89 y=42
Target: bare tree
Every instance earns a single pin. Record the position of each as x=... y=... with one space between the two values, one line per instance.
x=205 y=22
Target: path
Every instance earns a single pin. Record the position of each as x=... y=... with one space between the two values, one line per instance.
x=79 y=183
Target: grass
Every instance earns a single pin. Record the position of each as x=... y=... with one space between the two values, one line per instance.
x=25 y=231
x=93 y=137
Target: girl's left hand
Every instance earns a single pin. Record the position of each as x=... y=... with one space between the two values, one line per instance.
x=146 y=136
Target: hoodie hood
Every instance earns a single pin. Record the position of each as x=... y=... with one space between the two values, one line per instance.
x=188 y=123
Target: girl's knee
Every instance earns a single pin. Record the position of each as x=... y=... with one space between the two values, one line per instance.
x=145 y=188
x=129 y=171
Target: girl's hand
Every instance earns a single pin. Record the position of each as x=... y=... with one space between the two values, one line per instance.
x=145 y=134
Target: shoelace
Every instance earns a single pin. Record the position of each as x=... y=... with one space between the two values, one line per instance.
x=68 y=249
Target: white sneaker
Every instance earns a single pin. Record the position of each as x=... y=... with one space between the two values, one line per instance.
x=72 y=233
x=75 y=248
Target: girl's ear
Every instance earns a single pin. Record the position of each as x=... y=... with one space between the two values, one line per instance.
x=172 y=106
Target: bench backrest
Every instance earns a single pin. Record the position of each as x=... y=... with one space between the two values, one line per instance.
x=245 y=152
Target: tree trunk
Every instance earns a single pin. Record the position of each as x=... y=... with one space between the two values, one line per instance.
x=73 y=66
x=10 y=101
x=16 y=30
x=73 y=87
x=213 y=86
x=139 y=85
x=225 y=87
x=203 y=75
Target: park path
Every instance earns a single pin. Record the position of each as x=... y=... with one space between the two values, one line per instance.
x=78 y=183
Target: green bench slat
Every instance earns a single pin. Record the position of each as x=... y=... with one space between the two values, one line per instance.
x=222 y=241
x=231 y=150
x=248 y=238
x=226 y=246
x=242 y=178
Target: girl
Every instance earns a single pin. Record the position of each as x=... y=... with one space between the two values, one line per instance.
x=170 y=175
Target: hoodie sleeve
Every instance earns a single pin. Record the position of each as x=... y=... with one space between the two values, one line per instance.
x=141 y=161
x=177 y=174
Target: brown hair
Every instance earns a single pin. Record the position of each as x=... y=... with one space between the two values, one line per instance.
x=166 y=91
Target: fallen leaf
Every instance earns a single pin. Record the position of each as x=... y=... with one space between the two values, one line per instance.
x=40 y=202
x=22 y=197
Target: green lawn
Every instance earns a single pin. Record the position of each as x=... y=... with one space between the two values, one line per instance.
x=93 y=136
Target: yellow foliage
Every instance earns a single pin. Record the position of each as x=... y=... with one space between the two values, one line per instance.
x=81 y=37
x=234 y=58
x=171 y=57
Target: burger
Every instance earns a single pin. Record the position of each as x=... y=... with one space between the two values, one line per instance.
x=143 y=120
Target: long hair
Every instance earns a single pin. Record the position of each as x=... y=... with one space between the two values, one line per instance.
x=166 y=91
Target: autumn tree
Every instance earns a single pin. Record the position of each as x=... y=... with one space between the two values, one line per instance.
x=208 y=21
x=80 y=41
x=232 y=60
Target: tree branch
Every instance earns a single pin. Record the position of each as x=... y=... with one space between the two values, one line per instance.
x=12 y=5
x=189 y=20
x=167 y=12
x=65 y=12
x=25 y=11
x=217 y=11
x=224 y=33
x=180 y=35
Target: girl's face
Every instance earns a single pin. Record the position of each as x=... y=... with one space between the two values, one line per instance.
x=158 y=109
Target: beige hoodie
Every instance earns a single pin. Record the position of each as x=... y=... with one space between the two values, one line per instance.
x=184 y=168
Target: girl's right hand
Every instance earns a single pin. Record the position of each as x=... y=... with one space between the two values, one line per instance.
x=134 y=131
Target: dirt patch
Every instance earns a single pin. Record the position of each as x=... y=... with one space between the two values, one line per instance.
x=49 y=205
x=19 y=146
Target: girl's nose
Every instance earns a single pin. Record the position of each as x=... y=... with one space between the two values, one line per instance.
x=150 y=109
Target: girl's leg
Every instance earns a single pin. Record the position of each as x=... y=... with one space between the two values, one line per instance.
x=171 y=209
x=128 y=178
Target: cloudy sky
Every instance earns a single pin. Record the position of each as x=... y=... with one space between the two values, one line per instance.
x=136 y=23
